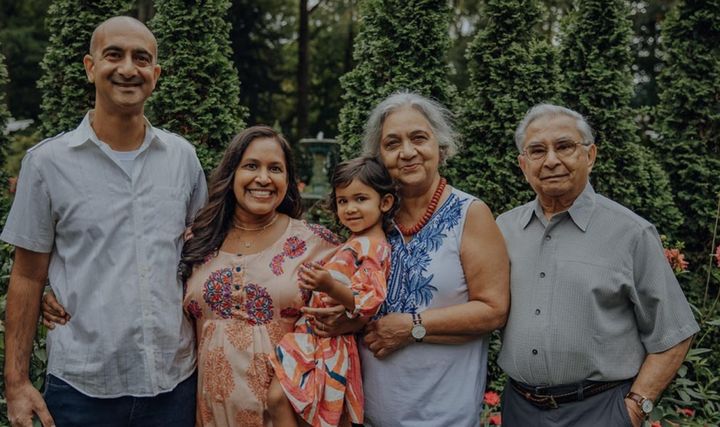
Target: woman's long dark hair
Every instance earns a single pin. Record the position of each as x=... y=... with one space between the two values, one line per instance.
x=214 y=220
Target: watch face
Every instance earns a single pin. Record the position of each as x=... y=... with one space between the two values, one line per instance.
x=647 y=406
x=418 y=332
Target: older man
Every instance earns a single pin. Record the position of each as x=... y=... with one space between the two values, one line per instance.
x=598 y=324
x=101 y=211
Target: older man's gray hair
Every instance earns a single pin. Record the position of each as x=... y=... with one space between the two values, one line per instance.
x=543 y=110
x=437 y=116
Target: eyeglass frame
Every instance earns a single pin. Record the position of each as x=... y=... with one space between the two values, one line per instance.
x=562 y=156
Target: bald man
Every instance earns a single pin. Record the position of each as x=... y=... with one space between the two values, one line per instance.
x=100 y=211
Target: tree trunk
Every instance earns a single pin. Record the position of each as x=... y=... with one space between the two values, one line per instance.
x=303 y=71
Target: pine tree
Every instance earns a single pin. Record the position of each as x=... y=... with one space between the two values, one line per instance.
x=66 y=92
x=198 y=91
x=596 y=59
x=688 y=115
x=510 y=71
x=401 y=44
x=4 y=114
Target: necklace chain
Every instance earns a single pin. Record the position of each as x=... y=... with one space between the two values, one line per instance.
x=248 y=244
x=432 y=206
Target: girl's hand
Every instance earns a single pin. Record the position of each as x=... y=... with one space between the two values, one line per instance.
x=389 y=334
x=52 y=311
x=316 y=278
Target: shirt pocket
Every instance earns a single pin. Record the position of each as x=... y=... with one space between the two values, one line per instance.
x=167 y=210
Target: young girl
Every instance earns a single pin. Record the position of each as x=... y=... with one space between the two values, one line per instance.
x=318 y=379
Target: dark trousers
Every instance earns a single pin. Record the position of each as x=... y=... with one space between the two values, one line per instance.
x=606 y=409
x=70 y=408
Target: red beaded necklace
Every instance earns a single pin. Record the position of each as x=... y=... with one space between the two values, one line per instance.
x=432 y=206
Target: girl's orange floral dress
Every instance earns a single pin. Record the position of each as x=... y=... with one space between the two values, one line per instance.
x=242 y=306
x=320 y=376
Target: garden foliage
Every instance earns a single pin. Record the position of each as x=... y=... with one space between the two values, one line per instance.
x=688 y=115
x=401 y=44
x=66 y=92
x=4 y=113
x=595 y=61
x=510 y=70
x=198 y=91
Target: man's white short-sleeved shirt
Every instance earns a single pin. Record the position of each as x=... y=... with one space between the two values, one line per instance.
x=115 y=241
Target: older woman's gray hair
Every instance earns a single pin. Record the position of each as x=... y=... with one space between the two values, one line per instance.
x=543 y=110
x=437 y=116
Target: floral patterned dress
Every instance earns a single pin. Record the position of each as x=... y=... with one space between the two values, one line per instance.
x=321 y=376
x=242 y=306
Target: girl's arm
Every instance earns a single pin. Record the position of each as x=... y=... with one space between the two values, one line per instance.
x=316 y=278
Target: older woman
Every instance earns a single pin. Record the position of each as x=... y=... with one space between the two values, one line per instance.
x=424 y=362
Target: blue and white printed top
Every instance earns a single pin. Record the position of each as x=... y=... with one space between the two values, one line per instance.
x=427 y=384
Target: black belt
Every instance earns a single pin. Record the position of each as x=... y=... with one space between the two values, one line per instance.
x=551 y=397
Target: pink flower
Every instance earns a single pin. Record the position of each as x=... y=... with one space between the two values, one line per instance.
x=688 y=412
x=492 y=398
x=656 y=424
x=676 y=260
x=495 y=420
x=717 y=255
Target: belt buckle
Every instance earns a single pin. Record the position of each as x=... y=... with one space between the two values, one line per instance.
x=553 y=403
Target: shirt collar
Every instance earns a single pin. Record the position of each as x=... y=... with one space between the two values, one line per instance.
x=580 y=211
x=87 y=134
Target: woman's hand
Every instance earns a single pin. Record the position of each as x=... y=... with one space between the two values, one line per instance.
x=331 y=321
x=52 y=311
x=389 y=334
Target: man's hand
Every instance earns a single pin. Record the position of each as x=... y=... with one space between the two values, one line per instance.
x=389 y=334
x=24 y=401
x=52 y=311
x=636 y=415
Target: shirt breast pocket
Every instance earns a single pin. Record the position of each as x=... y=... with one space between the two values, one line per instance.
x=167 y=210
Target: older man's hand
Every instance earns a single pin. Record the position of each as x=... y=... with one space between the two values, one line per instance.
x=636 y=415
x=389 y=334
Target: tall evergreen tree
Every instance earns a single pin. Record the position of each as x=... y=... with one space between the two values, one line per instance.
x=401 y=44
x=688 y=115
x=510 y=71
x=198 y=91
x=596 y=61
x=66 y=92
x=4 y=113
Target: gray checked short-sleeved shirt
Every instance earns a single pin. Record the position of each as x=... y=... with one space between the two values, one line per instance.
x=115 y=241
x=592 y=293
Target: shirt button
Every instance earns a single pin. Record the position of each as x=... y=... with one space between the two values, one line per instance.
x=537 y=311
x=548 y=237
x=542 y=274
x=237 y=287
x=238 y=269
x=534 y=351
x=237 y=307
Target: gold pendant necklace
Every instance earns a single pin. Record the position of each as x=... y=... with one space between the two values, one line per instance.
x=248 y=244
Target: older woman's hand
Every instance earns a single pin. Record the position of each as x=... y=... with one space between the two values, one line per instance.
x=389 y=334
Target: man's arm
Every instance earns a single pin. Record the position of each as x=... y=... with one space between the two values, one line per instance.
x=655 y=375
x=27 y=281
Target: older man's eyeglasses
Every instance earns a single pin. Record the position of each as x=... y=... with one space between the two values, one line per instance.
x=562 y=149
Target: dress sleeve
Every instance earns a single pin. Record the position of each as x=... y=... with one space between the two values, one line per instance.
x=369 y=280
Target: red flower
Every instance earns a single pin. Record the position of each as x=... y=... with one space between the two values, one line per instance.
x=688 y=412
x=676 y=260
x=717 y=255
x=656 y=424
x=492 y=398
x=495 y=420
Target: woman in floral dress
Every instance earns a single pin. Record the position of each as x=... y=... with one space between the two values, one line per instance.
x=241 y=270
